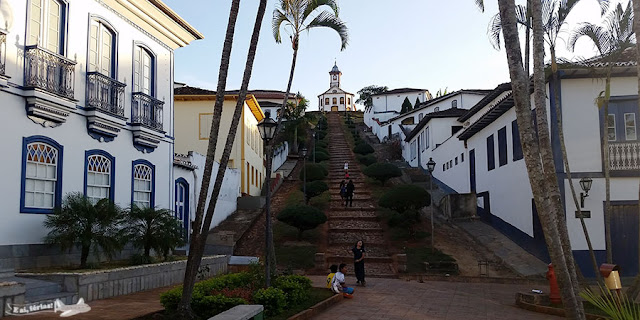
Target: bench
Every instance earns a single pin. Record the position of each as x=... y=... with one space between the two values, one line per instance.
x=242 y=312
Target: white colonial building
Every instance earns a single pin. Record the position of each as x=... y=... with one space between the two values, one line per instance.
x=87 y=99
x=336 y=99
x=485 y=158
x=388 y=105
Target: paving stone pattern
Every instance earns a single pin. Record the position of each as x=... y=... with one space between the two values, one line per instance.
x=348 y=225
x=394 y=299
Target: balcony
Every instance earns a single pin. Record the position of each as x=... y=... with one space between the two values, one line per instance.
x=624 y=156
x=48 y=71
x=105 y=94
x=105 y=106
x=48 y=82
x=146 y=120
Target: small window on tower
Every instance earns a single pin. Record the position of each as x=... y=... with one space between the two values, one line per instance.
x=335 y=101
x=341 y=100
x=326 y=100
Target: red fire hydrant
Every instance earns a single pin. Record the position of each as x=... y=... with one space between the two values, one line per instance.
x=554 y=290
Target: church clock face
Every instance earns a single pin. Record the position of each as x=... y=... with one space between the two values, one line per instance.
x=335 y=77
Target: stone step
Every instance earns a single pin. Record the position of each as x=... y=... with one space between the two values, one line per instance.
x=336 y=192
x=372 y=250
x=356 y=197
x=336 y=259
x=350 y=238
x=362 y=217
x=357 y=206
x=354 y=209
x=349 y=224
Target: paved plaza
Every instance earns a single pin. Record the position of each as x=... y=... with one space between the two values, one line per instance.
x=400 y=299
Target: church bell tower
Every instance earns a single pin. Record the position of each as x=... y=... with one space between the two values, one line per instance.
x=335 y=75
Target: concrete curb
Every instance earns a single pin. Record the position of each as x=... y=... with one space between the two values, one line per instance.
x=317 y=308
x=551 y=310
x=465 y=279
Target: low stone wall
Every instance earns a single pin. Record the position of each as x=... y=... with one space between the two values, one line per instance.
x=116 y=282
x=10 y=293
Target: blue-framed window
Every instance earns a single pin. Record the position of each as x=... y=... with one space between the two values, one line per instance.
x=515 y=138
x=41 y=180
x=181 y=211
x=502 y=146
x=491 y=154
x=144 y=65
x=99 y=175
x=143 y=187
x=47 y=24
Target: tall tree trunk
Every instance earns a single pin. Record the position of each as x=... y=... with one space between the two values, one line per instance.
x=634 y=289
x=84 y=254
x=548 y=205
x=201 y=231
x=563 y=148
x=605 y=164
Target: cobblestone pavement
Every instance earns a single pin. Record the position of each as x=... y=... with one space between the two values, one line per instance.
x=407 y=300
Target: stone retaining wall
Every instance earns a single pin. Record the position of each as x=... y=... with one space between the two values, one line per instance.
x=10 y=293
x=116 y=282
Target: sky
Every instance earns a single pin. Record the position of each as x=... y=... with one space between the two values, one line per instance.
x=427 y=44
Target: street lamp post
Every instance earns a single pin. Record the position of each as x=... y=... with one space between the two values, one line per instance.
x=431 y=165
x=304 y=174
x=314 y=146
x=585 y=185
x=267 y=128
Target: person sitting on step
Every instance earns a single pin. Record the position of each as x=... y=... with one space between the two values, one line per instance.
x=339 y=285
x=330 y=276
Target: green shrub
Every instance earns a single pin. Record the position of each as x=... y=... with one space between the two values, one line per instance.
x=314 y=189
x=154 y=228
x=321 y=149
x=382 y=171
x=302 y=217
x=138 y=259
x=293 y=290
x=363 y=148
x=367 y=160
x=351 y=125
x=273 y=300
x=302 y=280
x=321 y=156
x=406 y=197
x=208 y=306
x=314 y=172
x=321 y=134
x=322 y=144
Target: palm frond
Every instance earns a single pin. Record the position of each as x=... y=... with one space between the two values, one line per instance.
x=600 y=38
x=312 y=5
x=276 y=23
x=480 y=5
x=494 y=31
x=329 y=20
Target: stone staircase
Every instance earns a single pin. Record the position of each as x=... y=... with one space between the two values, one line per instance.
x=347 y=225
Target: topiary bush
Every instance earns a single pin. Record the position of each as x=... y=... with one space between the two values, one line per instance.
x=314 y=172
x=367 y=160
x=274 y=300
x=322 y=144
x=302 y=217
x=363 y=148
x=382 y=171
x=406 y=197
x=314 y=189
x=293 y=290
x=321 y=156
x=209 y=306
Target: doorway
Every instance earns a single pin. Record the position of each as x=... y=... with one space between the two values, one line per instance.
x=334 y=108
x=182 y=205
x=624 y=237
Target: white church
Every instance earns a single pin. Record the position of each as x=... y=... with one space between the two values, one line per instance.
x=336 y=99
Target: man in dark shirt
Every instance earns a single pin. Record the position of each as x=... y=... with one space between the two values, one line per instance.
x=350 y=188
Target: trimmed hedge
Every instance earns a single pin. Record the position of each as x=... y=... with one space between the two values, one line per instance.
x=406 y=197
x=302 y=217
x=314 y=172
x=382 y=171
x=315 y=188
x=274 y=300
x=322 y=144
x=363 y=148
x=367 y=160
x=321 y=156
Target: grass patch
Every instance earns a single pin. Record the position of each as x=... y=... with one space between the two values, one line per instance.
x=417 y=256
x=296 y=257
x=315 y=296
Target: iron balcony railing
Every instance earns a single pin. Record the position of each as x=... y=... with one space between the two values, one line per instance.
x=105 y=94
x=624 y=155
x=146 y=110
x=3 y=52
x=51 y=72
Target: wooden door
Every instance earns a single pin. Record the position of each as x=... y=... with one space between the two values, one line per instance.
x=624 y=238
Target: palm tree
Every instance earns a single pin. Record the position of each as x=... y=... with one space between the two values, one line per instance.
x=304 y=15
x=92 y=226
x=610 y=40
x=545 y=190
x=554 y=14
x=200 y=228
x=153 y=228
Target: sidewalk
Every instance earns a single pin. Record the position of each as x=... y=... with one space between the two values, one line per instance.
x=399 y=299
